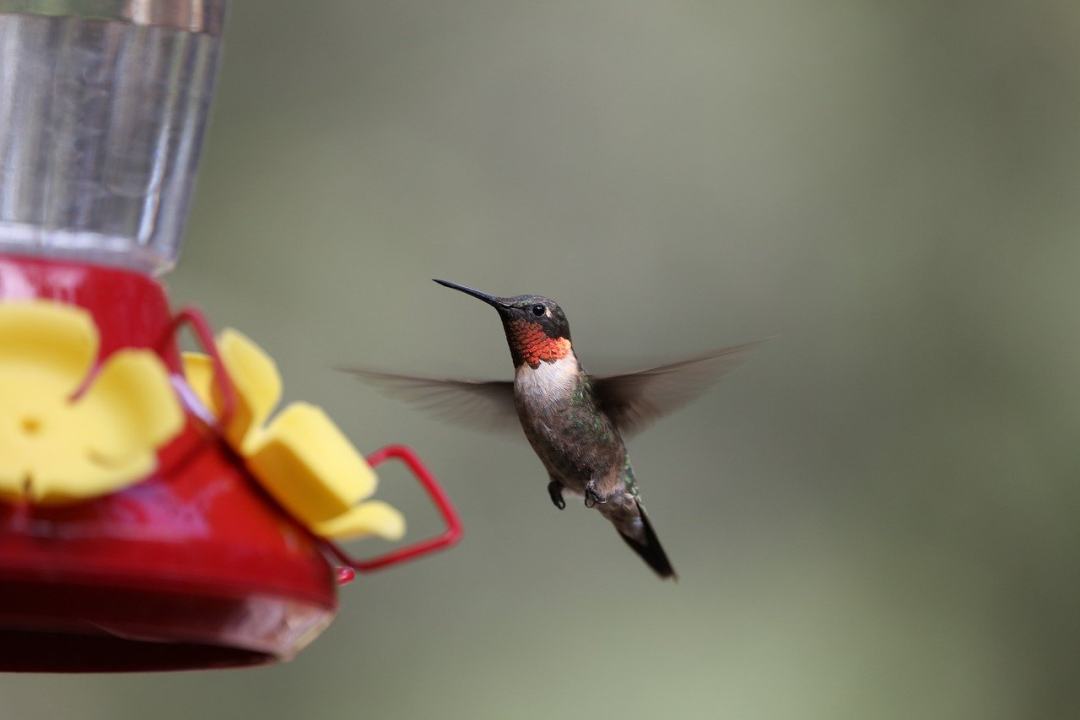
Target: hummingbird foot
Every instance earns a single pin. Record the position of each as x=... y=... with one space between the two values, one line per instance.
x=555 y=491
x=592 y=497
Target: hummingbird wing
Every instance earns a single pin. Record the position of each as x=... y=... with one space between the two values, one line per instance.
x=483 y=404
x=635 y=400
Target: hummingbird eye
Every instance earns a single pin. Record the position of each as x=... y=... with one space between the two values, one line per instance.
x=538 y=310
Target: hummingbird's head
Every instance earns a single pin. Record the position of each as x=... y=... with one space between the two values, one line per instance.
x=536 y=327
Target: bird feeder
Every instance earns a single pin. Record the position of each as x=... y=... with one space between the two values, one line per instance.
x=157 y=511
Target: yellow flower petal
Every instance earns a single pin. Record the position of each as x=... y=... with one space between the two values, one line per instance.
x=309 y=466
x=55 y=450
x=254 y=376
x=301 y=458
x=49 y=340
x=368 y=518
x=130 y=408
x=199 y=373
x=257 y=383
x=72 y=478
x=117 y=425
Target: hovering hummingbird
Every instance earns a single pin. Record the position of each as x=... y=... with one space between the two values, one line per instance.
x=574 y=421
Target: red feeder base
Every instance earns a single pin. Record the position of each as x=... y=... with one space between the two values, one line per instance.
x=122 y=630
x=195 y=567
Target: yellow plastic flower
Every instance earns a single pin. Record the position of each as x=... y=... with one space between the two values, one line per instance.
x=300 y=457
x=56 y=448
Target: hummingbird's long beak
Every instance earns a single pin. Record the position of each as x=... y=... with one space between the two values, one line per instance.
x=495 y=302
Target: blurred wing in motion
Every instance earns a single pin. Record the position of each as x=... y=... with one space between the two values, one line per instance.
x=636 y=400
x=486 y=405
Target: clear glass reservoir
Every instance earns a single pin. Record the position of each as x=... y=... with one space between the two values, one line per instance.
x=103 y=104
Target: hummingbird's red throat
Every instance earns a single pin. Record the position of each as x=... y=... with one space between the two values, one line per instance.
x=531 y=343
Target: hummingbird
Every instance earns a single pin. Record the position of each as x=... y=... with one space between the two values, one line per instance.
x=574 y=421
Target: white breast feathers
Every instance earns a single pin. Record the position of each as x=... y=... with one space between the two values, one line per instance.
x=549 y=382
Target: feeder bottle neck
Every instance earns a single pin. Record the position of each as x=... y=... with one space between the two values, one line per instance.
x=102 y=111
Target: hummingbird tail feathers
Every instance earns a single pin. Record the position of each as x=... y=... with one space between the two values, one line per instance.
x=647 y=545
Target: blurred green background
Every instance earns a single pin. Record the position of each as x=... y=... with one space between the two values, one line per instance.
x=875 y=517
